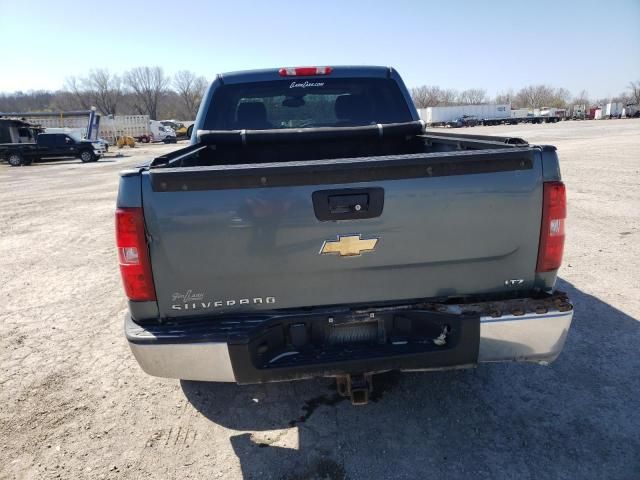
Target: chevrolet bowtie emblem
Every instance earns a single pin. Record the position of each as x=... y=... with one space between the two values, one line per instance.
x=349 y=245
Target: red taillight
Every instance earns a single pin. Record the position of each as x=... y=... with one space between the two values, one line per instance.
x=554 y=212
x=304 y=71
x=133 y=255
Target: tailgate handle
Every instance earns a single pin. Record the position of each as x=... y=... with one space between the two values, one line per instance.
x=348 y=203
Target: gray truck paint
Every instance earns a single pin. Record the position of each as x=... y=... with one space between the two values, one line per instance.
x=437 y=237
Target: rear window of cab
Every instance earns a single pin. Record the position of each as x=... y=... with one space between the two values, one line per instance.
x=306 y=103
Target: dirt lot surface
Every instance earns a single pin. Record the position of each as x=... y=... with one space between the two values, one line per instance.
x=74 y=404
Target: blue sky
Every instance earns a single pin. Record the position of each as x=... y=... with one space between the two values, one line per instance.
x=592 y=45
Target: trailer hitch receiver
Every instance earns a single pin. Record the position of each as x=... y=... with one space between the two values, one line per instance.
x=356 y=387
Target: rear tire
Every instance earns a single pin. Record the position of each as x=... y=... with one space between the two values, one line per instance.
x=87 y=156
x=16 y=159
x=144 y=139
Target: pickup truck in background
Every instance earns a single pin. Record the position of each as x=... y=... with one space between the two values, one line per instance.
x=314 y=228
x=100 y=145
x=51 y=146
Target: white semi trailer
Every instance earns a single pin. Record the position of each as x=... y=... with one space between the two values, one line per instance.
x=140 y=127
x=442 y=116
x=613 y=110
x=489 y=114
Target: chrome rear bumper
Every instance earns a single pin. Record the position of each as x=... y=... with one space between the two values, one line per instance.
x=530 y=338
x=166 y=356
x=187 y=361
x=526 y=338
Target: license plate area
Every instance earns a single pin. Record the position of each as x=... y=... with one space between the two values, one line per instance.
x=345 y=338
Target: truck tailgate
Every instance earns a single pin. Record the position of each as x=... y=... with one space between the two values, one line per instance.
x=249 y=237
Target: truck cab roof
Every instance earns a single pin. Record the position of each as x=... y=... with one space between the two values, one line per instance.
x=351 y=71
x=305 y=97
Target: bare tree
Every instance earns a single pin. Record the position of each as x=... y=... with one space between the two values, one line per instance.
x=426 y=96
x=537 y=96
x=472 y=96
x=147 y=85
x=100 y=89
x=190 y=88
x=113 y=94
x=505 y=97
x=582 y=98
x=77 y=87
x=560 y=98
x=31 y=101
x=448 y=97
x=147 y=90
x=533 y=96
x=624 y=97
x=106 y=90
x=64 y=101
x=420 y=96
x=634 y=88
x=433 y=96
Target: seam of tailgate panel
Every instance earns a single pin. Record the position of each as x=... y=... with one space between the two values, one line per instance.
x=149 y=239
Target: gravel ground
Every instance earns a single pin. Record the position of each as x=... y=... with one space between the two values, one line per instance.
x=76 y=405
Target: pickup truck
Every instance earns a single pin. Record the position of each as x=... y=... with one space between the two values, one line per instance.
x=314 y=228
x=49 y=146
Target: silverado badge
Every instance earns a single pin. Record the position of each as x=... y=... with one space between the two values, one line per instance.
x=349 y=245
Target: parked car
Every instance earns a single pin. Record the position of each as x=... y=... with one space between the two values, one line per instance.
x=290 y=241
x=50 y=146
x=464 y=121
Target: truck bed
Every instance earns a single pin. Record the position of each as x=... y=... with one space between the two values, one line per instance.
x=285 y=145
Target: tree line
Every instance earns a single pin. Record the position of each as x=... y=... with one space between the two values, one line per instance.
x=532 y=96
x=150 y=91
x=139 y=91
